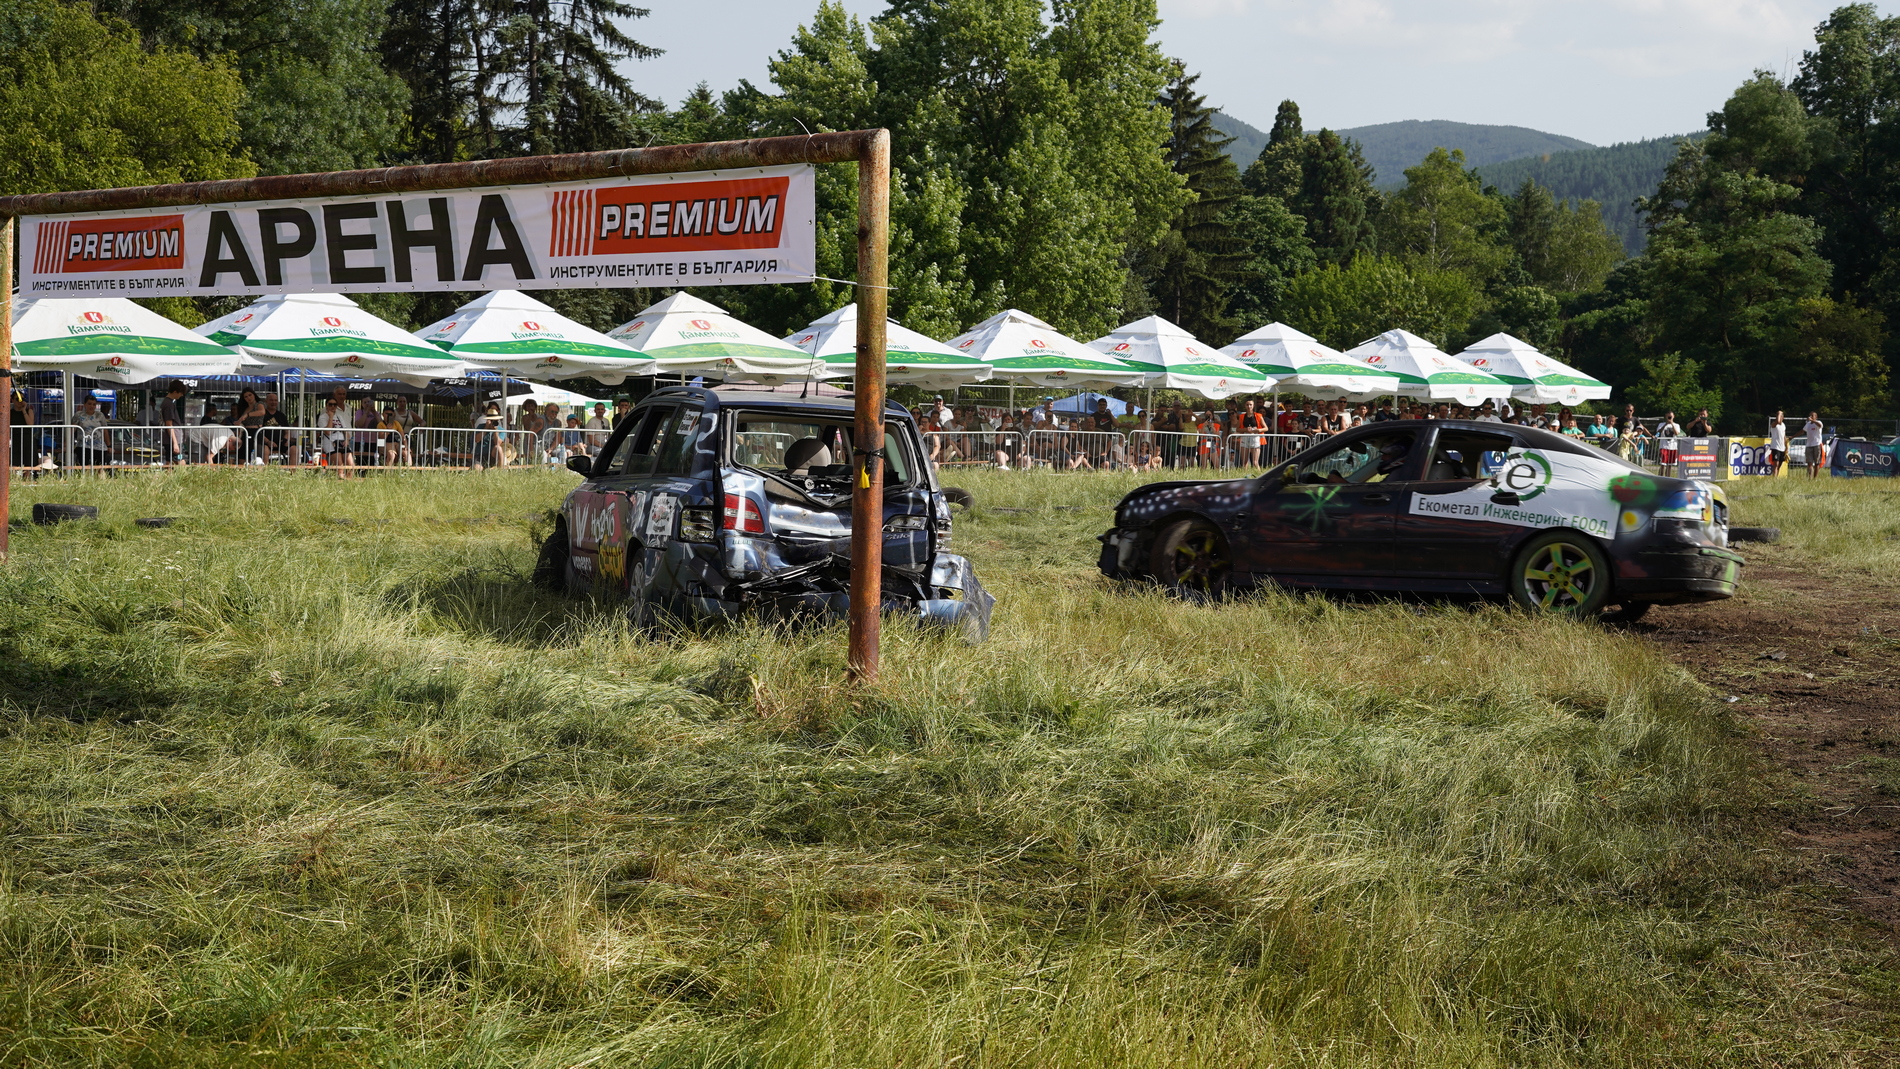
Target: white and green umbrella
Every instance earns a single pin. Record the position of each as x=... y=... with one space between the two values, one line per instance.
x=328 y=332
x=511 y=331
x=909 y=357
x=1426 y=372
x=1533 y=376
x=1021 y=348
x=687 y=336
x=1170 y=358
x=111 y=339
x=1298 y=363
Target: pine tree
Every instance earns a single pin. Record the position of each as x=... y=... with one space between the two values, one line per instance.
x=1336 y=198
x=558 y=59
x=1201 y=259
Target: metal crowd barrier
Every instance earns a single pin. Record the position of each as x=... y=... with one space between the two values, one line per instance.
x=48 y=446
x=1077 y=450
x=964 y=448
x=474 y=448
x=1174 y=449
x=1262 y=450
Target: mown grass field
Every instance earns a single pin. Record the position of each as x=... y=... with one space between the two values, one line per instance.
x=315 y=778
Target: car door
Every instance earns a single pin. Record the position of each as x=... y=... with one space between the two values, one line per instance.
x=603 y=512
x=1330 y=519
x=1441 y=541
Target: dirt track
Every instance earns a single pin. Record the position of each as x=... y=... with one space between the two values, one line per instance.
x=1814 y=663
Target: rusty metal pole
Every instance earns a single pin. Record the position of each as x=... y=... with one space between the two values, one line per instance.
x=6 y=379
x=867 y=494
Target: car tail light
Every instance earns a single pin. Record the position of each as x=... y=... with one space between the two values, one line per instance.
x=743 y=515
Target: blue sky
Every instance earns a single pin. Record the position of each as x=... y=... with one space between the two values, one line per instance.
x=1600 y=70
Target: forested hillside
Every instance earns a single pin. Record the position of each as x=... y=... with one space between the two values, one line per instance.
x=1392 y=147
x=1613 y=176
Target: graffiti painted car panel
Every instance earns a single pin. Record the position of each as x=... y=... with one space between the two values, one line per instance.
x=1438 y=506
x=708 y=503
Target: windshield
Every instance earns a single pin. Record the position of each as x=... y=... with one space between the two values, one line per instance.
x=801 y=447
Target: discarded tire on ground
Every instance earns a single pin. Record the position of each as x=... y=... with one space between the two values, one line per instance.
x=49 y=514
x=156 y=521
x=957 y=495
x=1754 y=534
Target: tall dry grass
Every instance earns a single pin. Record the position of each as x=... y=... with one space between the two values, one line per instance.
x=279 y=788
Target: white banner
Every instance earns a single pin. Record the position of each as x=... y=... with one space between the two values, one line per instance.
x=708 y=228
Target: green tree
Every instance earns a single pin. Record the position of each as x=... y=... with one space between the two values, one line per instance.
x=84 y=105
x=1443 y=221
x=1273 y=240
x=1836 y=350
x=1343 y=306
x=1563 y=249
x=557 y=66
x=1849 y=87
x=1671 y=383
x=1200 y=260
x=1336 y=198
x=316 y=95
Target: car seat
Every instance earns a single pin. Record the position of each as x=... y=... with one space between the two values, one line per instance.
x=1445 y=469
x=806 y=453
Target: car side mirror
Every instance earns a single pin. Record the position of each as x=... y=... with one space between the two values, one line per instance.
x=581 y=466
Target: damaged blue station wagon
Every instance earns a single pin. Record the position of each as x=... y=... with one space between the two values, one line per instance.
x=708 y=503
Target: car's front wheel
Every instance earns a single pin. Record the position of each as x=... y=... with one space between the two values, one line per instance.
x=1564 y=572
x=1191 y=556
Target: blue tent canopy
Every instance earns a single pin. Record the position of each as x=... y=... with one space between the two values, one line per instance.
x=1084 y=403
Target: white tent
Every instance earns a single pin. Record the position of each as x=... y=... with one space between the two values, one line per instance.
x=329 y=332
x=1170 y=358
x=687 y=336
x=1533 y=376
x=1426 y=372
x=511 y=331
x=909 y=357
x=111 y=339
x=1021 y=348
x=1299 y=363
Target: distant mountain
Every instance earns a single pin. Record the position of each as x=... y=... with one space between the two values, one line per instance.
x=1392 y=147
x=1613 y=177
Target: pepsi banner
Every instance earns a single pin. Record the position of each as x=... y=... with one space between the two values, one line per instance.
x=1855 y=457
x=708 y=228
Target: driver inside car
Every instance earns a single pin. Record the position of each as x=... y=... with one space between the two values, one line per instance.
x=1389 y=460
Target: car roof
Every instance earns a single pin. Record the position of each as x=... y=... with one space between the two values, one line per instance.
x=725 y=397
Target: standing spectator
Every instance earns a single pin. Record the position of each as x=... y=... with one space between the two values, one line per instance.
x=1666 y=434
x=1569 y=429
x=487 y=452
x=1289 y=420
x=1251 y=424
x=1777 y=442
x=1044 y=416
x=622 y=406
x=1817 y=448
x=364 y=418
x=1102 y=421
x=171 y=416
x=1702 y=426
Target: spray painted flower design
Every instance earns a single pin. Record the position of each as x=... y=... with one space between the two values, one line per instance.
x=1633 y=490
x=1316 y=506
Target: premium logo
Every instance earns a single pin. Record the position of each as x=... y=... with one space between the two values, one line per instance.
x=147 y=243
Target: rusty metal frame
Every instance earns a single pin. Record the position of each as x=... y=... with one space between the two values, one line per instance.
x=869 y=149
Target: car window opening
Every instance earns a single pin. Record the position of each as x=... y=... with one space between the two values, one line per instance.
x=808 y=459
x=1374 y=459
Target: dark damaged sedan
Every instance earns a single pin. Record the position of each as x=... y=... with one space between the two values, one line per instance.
x=707 y=503
x=1439 y=507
